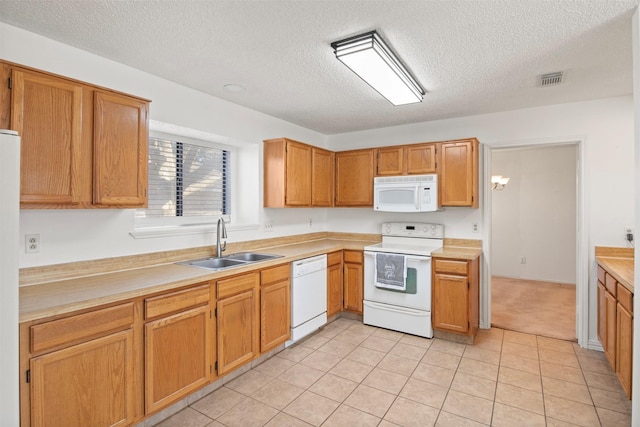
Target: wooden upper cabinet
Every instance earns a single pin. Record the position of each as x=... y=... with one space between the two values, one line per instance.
x=120 y=155
x=412 y=159
x=287 y=173
x=421 y=158
x=297 y=174
x=322 y=176
x=390 y=161
x=47 y=113
x=354 y=178
x=82 y=146
x=459 y=173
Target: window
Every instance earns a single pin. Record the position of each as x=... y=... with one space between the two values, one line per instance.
x=187 y=182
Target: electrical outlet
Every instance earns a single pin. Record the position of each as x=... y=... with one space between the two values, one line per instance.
x=475 y=228
x=31 y=243
x=268 y=227
x=629 y=234
x=523 y=260
x=310 y=223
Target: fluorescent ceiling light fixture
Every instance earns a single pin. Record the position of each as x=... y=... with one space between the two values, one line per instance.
x=370 y=58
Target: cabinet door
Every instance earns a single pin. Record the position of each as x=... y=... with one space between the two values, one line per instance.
x=275 y=314
x=236 y=331
x=89 y=384
x=353 y=285
x=610 y=336
x=120 y=147
x=421 y=158
x=624 y=350
x=298 y=176
x=177 y=356
x=390 y=161
x=354 y=178
x=450 y=303
x=334 y=289
x=47 y=113
x=459 y=174
x=322 y=177
x=602 y=315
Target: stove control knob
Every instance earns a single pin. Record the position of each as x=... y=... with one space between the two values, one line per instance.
x=425 y=229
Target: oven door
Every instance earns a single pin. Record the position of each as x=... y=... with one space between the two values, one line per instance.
x=417 y=292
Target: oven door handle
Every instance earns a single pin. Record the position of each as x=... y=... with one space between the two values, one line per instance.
x=402 y=310
x=419 y=258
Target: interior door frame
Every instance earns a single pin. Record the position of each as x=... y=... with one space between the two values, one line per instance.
x=582 y=241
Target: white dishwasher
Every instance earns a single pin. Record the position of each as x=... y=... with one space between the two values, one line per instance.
x=308 y=296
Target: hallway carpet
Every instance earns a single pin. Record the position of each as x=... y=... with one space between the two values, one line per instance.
x=539 y=308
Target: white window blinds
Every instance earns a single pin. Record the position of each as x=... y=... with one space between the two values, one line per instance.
x=186 y=180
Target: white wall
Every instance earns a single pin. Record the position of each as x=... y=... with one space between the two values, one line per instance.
x=534 y=216
x=72 y=235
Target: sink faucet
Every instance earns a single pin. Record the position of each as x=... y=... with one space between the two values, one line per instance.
x=221 y=233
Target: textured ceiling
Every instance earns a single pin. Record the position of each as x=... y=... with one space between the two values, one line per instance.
x=471 y=56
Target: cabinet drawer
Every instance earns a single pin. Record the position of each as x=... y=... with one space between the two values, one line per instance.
x=601 y=275
x=81 y=327
x=610 y=283
x=625 y=298
x=355 y=257
x=176 y=301
x=275 y=274
x=235 y=285
x=334 y=258
x=450 y=266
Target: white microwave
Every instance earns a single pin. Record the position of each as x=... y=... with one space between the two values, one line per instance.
x=407 y=193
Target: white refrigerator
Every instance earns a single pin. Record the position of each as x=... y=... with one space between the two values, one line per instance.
x=9 y=244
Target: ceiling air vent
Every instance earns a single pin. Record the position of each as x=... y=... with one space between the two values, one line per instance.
x=551 y=79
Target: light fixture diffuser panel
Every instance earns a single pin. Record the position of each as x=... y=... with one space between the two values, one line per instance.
x=374 y=70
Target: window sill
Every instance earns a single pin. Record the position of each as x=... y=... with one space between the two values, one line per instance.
x=182 y=230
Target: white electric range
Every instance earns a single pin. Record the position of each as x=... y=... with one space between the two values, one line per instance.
x=397 y=277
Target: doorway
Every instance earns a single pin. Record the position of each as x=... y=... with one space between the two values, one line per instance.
x=533 y=239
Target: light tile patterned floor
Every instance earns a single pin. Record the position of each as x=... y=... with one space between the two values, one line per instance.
x=350 y=374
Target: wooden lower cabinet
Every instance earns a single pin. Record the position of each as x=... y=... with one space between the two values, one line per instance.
x=353 y=280
x=237 y=321
x=624 y=349
x=615 y=326
x=455 y=292
x=88 y=384
x=80 y=370
x=177 y=346
x=451 y=299
x=611 y=323
x=334 y=283
x=275 y=307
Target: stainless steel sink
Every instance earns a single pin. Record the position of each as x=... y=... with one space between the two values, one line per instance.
x=252 y=256
x=229 y=261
